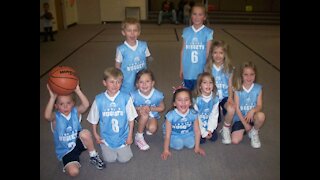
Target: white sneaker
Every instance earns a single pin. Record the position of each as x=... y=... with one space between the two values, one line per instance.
x=148 y=133
x=225 y=133
x=141 y=143
x=255 y=141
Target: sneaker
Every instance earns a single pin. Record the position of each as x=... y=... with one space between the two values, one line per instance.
x=225 y=133
x=97 y=162
x=148 y=133
x=255 y=141
x=141 y=143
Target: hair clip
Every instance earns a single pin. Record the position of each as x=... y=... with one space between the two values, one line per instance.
x=178 y=87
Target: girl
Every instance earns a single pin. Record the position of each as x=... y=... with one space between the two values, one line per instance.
x=148 y=102
x=222 y=71
x=197 y=40
x=207 y=105
x=248 y=100
x=181 y=127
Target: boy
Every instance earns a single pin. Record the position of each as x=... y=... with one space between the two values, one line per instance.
x=131 y=55
x=70 y=139
x=47 y=24
x=115 y=111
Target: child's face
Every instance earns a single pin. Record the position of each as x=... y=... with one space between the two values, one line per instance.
x=198 y=16
x=248 y=76
x=218 y=55
x=145 y=84
x=206 y=86
x=182 y=102
x=112 y=85
x=131 y=32
x=64 y=104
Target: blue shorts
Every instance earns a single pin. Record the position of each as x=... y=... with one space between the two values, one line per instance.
x=190 y=84
x=75 y=153
x=238 y=126
x=178 y=143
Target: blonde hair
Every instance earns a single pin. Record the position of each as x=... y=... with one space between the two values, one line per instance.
x=197 y=91
x=112 y=72
x=238 y=80
x=227 y=66
x=200 y=6
x=130 y=21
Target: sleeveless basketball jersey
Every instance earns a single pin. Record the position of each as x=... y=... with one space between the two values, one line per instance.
x=66 y=132
x=247 y=100
x=132 y=62
x=205 y=109
x=153 y=99
x=182 y=124
x=222 y=81
x=113 y=123
x=194 y=51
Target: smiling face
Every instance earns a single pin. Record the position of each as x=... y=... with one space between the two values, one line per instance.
x=131 y=32
x=145 y=84
x=112 y=85
x=182 y=101
x=64 y=104
x=218 y=56
x=198 y=16
x=206 y=85
x=248 y=76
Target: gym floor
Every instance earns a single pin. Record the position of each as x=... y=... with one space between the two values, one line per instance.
x=91 y=48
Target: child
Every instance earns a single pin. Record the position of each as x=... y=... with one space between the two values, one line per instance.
x=181 y=127
x=131 y=55
x=207 y=105
x=70 y=139
x=248 y=100
x=197 y=40
x=114 y=111
x=148 y=102
x=220 y=67
x=48 y=17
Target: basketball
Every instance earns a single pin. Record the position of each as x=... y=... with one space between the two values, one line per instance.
x=63 y=80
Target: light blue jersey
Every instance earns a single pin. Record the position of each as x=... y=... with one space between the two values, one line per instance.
x=182 y=124
x=132 y=62
x=153 y=100
x=208 y=109
x=66 y=132
x=114 y=125
x=247 y=100
x=194 y=51
x=222 y=81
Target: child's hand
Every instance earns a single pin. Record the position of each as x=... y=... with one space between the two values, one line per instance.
x=129 y=140
x=249 y=116
x=98 y=139
x=165 y=155
x=52 y=94
x=209 y=135
x=200 y=151
x=77 y=89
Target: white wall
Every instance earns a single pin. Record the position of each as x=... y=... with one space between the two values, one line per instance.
x=71 y=12
x=114 y=10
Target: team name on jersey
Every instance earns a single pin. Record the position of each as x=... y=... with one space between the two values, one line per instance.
x=135 y=67
x=181 y=125
x=246 y=108
x=113 y=113
x=66 y=138
x=195 y=46
x=222 y=86
x=204 y=116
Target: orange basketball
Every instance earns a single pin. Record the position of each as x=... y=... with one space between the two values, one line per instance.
x=63 y=80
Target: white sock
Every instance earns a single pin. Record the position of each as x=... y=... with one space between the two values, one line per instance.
x=93 y=153
x=139 y=135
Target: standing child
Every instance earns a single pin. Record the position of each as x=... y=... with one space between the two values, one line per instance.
x=197 y=40
x=47 y=24
x=148 y=102
x=131 y=55
x=248 y=100
x=70 y=139
x=222 y=70
x=181 y=127
x=114 y=111
x=207 y=105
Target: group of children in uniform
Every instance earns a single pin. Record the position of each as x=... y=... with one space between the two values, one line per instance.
x=130 y=94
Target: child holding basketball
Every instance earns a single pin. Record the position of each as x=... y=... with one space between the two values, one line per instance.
x=148 y=102
x=131 y=56
x=69 y=137
x=181 y=126
x=197 y=40
x=115 y=113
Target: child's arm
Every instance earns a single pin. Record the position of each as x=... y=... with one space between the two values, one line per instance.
x=84 y=100
x=203 y=131
x=48 y=113
x=230 y=90
x=258 y=108
x=209 y=43
x=197 y=148
x=129 y=140
x=131 y=114
x=118 y=65
x=245 y=124
x=181 y=65
x=93 y=117
x=213 y=118
x=95 y=134
x=118 y=59
x=166 y=152
x=159 y=108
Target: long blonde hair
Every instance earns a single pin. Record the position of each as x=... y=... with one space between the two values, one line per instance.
x=238 y=80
